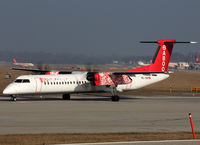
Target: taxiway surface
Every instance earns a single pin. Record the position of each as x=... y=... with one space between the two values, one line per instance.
x=94 y=114
x=165 y=142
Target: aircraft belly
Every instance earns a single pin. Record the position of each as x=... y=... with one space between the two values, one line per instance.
x=140 y=81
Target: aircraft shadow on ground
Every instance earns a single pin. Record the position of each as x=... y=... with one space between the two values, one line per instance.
x=99 y=97
x=29 y=98
x=80 y=97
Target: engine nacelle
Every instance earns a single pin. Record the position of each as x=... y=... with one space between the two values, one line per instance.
x=105 y=78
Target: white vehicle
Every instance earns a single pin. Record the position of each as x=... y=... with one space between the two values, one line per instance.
x=115 y=81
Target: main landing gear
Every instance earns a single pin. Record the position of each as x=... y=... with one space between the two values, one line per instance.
x=114 y=97
x=66 y=96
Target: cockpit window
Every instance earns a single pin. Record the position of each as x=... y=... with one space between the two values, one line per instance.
x=22 y=81
x=18 y=81
x=26 y=81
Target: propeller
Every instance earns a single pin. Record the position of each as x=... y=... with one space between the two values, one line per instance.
x=91 y=71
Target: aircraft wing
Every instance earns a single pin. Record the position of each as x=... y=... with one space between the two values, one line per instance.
x=42 y=71
x=31 y=70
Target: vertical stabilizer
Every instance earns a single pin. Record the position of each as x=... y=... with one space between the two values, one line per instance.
x=162 y=57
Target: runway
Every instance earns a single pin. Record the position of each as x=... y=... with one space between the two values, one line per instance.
x=164 y=142
x=96 y=114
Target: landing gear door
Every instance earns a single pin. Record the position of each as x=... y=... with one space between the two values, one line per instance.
x=38 y=85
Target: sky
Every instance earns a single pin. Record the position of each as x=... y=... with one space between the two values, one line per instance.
x=97 y=27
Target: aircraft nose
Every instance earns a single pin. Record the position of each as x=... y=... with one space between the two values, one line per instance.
x=8 y=91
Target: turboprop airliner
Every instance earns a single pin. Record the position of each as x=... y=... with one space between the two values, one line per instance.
x=82 y=82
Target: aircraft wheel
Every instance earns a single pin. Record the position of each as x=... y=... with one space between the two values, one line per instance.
x=115 y=98
x=66 y=97
x=13 y=98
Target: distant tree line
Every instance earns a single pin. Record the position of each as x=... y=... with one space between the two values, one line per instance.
x=65 y=58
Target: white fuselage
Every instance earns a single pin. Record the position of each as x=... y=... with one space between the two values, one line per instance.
x=24 y=64
x=73 y=83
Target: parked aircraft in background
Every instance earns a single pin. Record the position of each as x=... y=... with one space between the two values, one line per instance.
x=141 y=63
x=196 y=64
x=110 y=81
x=197 y=59
x=22 y=64
x=171 y=64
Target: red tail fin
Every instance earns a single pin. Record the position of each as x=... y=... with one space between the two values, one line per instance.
x=161 y=58
x=197 y=59
x=14 y=60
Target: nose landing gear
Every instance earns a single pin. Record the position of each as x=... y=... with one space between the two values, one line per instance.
x=13 y=98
